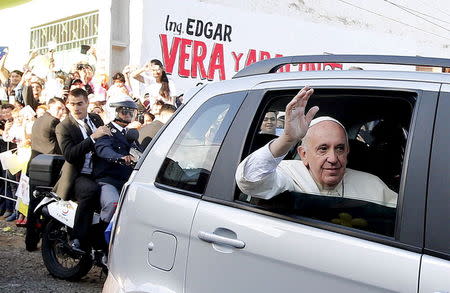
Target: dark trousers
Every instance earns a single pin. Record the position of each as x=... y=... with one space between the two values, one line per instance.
x=32 y=233
x=86 y=192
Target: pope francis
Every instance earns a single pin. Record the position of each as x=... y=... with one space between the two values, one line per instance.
x=322 y=168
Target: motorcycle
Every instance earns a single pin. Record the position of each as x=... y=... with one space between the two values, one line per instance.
x=57 y=220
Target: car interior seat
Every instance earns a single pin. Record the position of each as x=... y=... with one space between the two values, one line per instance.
x=261 y=139
x=358 y=156
x=387 y=152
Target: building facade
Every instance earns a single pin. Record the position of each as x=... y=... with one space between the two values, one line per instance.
x=209 y=40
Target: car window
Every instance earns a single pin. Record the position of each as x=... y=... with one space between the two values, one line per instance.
x=190 y=159
x=366 y=198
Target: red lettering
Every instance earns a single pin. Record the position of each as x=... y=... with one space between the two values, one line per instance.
x=263 y=55
x=310 y=67
x=251 y=57
x=332 y=66
x=237 y=59
x=182 y=71
x=169 y=57
x=217 y=62
x=198 y=58
x=307 y=67
x=285 y=68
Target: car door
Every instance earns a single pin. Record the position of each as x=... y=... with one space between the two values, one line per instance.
x=151 y=237
x=239 y=247
x=435 y=268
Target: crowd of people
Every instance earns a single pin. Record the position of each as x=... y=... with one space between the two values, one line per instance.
x=77 y=114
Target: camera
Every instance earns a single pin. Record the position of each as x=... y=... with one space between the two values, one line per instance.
x=80 y=66
x=84 y=49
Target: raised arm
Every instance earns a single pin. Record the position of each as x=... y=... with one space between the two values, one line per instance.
x=296 y=123
x=33 y=55
x=258 y=174
x=137 y=73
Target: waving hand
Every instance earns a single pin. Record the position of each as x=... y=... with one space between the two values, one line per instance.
x=296 y=122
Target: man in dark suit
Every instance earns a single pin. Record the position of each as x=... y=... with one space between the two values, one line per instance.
x=43 y=141
x=76 y=137
x=147 y=132
x=43 y=135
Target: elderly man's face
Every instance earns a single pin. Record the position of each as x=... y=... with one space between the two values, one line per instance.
x=325 y=153
x=269 y=123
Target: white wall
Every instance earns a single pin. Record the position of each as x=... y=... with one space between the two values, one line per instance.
x=430 y=39
x=295 y=27
x=129 y=29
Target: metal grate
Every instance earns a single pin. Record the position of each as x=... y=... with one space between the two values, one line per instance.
x=67 y=33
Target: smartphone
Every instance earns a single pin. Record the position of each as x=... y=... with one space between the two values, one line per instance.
x=85 y=48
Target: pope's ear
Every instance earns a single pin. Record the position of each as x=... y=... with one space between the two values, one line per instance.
x=302 y=153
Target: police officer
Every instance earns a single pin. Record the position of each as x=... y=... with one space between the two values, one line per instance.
x=110 y=150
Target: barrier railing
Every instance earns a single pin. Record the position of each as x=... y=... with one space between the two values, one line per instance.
x=7 y=180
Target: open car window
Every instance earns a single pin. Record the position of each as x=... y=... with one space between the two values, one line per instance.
x=377 y=125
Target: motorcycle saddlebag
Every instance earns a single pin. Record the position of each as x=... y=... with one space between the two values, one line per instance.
x=44 y=169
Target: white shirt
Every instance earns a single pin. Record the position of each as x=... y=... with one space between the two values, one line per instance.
x=153 y=88
x=120 y=128
x=87 y=166
x=263 y=176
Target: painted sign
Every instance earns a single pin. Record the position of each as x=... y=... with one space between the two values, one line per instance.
x=202 y=42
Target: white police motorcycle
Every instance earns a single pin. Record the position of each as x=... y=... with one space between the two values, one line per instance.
x=57 y=220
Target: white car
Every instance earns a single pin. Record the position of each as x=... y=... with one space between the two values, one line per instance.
x=183 y=225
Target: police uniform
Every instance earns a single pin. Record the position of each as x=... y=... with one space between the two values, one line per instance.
x=108 y=173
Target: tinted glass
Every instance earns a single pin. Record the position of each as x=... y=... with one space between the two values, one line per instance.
x=191 y=157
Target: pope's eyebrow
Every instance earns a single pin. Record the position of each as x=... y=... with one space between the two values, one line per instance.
x=322 y=145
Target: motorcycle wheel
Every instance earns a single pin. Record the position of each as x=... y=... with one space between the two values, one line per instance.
x=57 y=257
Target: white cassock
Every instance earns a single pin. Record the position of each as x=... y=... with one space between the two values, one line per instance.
x=263 y=176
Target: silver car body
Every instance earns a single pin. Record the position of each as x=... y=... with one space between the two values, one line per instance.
x=160 y=241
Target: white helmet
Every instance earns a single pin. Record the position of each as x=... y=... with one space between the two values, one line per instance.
x=126 y=109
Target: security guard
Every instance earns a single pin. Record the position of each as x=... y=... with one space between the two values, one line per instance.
x=109 y=173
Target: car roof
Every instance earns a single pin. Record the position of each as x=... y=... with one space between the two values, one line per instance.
x=269 y=80
x=273 y=64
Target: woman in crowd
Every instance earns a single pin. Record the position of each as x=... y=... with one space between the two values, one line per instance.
x=158 y=84
x=35 y=86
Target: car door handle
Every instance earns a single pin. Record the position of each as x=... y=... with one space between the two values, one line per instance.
x=217 y=239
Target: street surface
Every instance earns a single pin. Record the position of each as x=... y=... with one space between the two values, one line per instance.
x=23 y=271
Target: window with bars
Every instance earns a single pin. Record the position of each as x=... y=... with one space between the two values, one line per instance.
x=67 y=33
